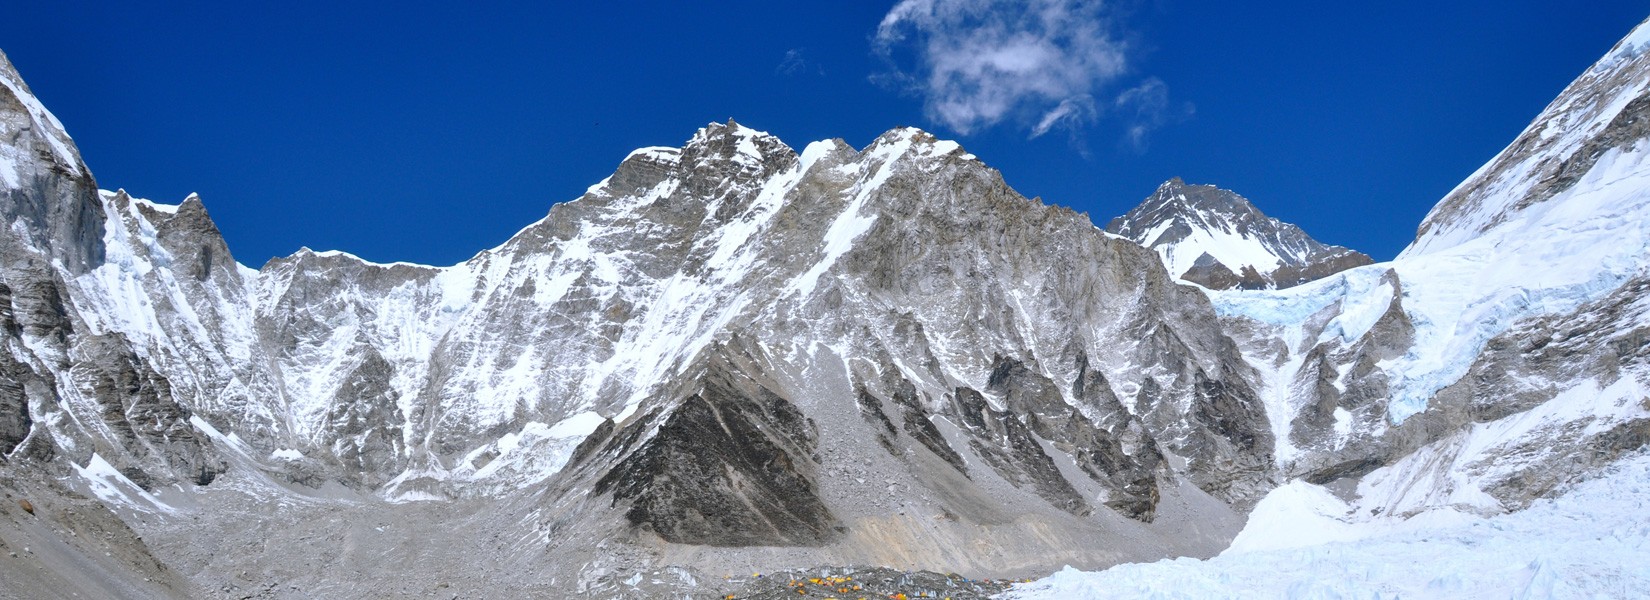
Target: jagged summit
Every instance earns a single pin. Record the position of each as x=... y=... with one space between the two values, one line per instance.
x=48 y=199
x=1216 y=238
x=20 y=112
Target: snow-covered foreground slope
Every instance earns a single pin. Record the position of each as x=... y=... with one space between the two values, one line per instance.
x=1591 y=542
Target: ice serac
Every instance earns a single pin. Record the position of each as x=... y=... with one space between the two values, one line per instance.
x=1217 y=239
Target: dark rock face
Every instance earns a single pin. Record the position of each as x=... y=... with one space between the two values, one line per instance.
x=15 y=421
x=1232 y=439
x=8 y=317
x=871 y=408
x=729 y=466
x=1205 y=411
x=1015 y=455
x=1116 y=452
x=1209 y=272
x=31 y=305
x=1177 y=212
x=38 y=307
x=916 y=420
x=137 y=405
x=1336 y=260
x=55 y=206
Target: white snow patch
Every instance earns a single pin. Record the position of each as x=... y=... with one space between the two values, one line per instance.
x=1232 y=249
x=343 y=254
x=170 y=209
x=537 y=451
x=10 y=172
x=663 y=154
x=815 y=152
x=113 y=488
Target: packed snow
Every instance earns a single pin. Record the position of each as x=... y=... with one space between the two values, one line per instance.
x=1592 y=542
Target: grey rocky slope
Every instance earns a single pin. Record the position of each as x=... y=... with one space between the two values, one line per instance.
x=735 y=356
x=873 y=356
x=1217 y=239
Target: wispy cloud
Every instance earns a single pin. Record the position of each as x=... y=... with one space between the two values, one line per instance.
x=1040 y=64
x=1146 y=107
x=1071 y=112
x=795 y=62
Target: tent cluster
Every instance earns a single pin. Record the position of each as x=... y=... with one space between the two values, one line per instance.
x=841 y=585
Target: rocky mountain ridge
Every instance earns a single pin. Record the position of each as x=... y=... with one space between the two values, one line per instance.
x=733 y=353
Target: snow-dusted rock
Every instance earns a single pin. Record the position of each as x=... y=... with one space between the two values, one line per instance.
x=1217 y=239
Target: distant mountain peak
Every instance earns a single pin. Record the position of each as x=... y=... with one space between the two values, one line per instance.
x=1217 y=238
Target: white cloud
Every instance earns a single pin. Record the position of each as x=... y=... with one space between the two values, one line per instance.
x=976 y=63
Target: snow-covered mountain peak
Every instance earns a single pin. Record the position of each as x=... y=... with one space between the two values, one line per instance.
x=1217 y=238
x=47 y=197
x=20 y=111
x=736 y=143
x=899 y=141
x=1195 y=200
x=1604 y=113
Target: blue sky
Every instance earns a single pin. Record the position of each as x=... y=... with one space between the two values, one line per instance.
x=427 y=132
